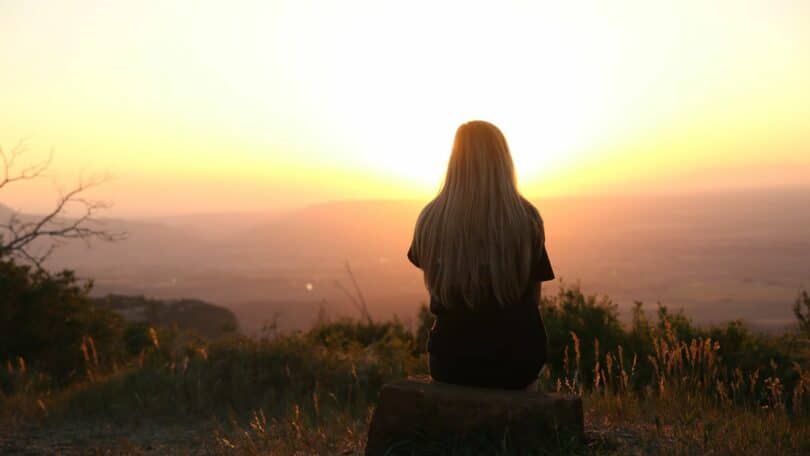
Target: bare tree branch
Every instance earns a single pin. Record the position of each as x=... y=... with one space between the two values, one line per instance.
x=28 y=173
x=19 y=234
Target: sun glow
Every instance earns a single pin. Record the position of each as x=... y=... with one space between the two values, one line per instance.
x=398 y=81
x=253 y=104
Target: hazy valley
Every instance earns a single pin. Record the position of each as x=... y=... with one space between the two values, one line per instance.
x=718 y=256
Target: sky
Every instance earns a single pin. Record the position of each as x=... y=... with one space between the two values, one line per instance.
x=196 y=106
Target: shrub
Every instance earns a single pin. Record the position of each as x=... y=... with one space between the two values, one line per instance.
x=49 y=321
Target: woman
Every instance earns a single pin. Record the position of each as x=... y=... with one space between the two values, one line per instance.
x=481 y=246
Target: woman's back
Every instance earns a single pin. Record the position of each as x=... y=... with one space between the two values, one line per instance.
x=482 y=248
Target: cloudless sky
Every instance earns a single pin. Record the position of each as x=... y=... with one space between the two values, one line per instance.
x=197 y=106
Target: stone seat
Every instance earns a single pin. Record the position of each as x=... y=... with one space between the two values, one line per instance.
x=419 y=416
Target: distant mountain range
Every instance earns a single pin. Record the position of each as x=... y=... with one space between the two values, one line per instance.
x=5 y=212
x=717 y=255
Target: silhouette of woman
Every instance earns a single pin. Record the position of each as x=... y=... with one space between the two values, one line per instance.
x=481 y=246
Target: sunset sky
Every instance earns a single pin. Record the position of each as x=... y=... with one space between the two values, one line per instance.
x=197 y=106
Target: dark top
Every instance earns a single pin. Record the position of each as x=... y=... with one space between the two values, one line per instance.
x=493 y=332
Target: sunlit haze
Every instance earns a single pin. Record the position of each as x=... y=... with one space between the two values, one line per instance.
x=218 y=106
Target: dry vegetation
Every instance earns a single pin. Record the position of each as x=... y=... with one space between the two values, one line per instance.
x=655 y=387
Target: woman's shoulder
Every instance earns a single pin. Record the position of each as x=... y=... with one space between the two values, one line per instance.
x=538 y=231
x=532 y=211
x=426 y=208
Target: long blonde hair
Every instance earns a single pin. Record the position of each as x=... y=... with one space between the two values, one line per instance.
x=476 y=235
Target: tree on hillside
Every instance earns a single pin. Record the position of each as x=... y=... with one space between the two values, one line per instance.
x=49 y=322
x=33 y=238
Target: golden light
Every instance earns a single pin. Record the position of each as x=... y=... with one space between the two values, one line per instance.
x=289 y=102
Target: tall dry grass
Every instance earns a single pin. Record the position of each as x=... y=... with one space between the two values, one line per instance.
x=660 y=386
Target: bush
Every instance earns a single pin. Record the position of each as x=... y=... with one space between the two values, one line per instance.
x=50 y=323
x=345 y=333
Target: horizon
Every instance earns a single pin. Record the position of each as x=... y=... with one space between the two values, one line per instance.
x=292 y=103
x=688 y=193
x=279 y=210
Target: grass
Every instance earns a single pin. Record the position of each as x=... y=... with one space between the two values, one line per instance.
x=653 y=388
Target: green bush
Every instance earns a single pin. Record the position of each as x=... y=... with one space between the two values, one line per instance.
x=49 y=322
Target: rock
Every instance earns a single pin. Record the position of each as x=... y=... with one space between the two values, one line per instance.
x=417 y=415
